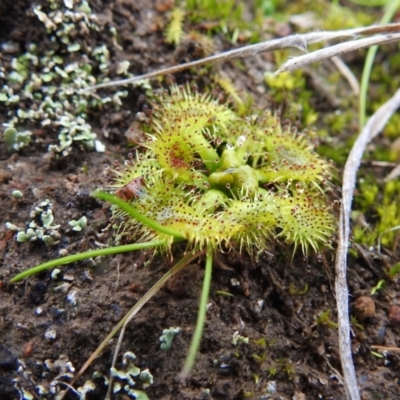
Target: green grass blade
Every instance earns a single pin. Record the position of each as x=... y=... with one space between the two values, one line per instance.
x=391 y=9
x=87 y=254
x=201 y=317
x=124 y=206
x=370 y=3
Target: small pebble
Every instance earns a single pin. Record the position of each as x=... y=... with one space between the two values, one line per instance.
x=50 y=334
x=394 y=315
x=10 y=47
x=364 y=307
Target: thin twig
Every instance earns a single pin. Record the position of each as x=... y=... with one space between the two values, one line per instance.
x=299 y=41
x=394 y=173
x=374 y=125
x=347 y=73
x=336 y=50
x=384 y=348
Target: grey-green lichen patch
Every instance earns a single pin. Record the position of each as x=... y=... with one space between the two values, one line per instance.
x=23 y=393
x=146 y=377
x=16 y=140
x=238 y=339
x=168 y=336
x=40 y=227
x=17 y=194
x=23 y=382
x=88 y=386
x=54 y=273
x=129 y=371
x=58 y=386
x=128 y=377
x=43 y=87
x=79 y=224
x=56 y=376
x=136 y=394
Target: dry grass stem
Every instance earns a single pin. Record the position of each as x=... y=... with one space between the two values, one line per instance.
x=394 y=173
x=336 y=50
x=299 y=41
x=374 y=125
x=384 y=348
x=347 y=74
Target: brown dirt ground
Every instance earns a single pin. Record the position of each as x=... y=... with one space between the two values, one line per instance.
x=304 y=354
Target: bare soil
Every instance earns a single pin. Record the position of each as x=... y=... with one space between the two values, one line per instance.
x=39 y=323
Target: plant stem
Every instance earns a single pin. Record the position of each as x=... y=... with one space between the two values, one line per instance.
x=87 y=254
x=391 y=9
x=194 y=345
x=124 y=206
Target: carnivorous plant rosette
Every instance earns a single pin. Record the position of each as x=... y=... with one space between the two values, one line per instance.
x=224 y=180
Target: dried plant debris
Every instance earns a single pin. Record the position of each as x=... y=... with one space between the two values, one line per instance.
x=372 y=128
x=388 y=34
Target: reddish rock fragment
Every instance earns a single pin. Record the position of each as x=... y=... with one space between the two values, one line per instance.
x=364 y=307
x=394 y=315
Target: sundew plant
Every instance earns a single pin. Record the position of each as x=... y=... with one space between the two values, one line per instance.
x=219 y=182
x=224 y=181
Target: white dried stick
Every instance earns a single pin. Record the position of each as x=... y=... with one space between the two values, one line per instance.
x=374 y=125
x=336 y=50
x=299 y=41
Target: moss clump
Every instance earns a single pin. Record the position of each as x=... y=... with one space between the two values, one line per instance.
x=224 y=180
x=237 y=20
x=329 y=15
x=290 y=88
x=378 y=216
